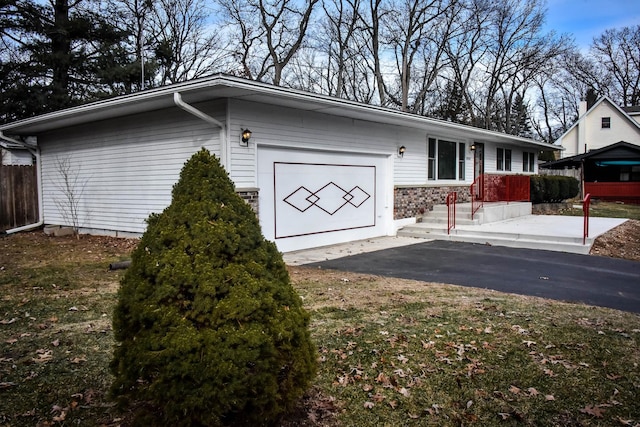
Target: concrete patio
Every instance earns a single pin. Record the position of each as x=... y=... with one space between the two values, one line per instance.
x=514 y=227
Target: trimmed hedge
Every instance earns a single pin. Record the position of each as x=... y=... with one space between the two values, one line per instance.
x=553 y=189
x=209 y=329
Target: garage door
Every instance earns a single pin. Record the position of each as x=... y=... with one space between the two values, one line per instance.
x=310 y=198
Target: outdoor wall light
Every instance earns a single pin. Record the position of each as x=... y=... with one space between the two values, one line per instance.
x=245 y=137
x=401 y=150
x=473 y=147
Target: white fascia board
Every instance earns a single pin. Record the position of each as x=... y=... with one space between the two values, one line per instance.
x=222 y=86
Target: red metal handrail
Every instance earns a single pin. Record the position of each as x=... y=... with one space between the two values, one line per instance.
x=585 y=209
x=451 y=210
x=477 y=192
x=499 y=188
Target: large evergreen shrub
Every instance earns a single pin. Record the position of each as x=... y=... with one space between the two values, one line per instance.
x=550 y=188
x=209 y=330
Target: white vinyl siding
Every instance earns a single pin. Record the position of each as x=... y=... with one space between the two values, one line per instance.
x=125 y=168
x=280 y=126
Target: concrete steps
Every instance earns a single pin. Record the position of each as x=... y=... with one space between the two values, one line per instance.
x=494 y=225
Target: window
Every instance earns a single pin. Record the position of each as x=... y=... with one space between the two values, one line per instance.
x=461 y=166
x=445 y=159
x=528 y=162
x=431 y=166
x=606 y=122
x=503 y=162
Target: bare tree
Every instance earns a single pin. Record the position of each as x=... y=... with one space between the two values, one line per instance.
x=135 y=20
x=71 y=188
x=494 y=58
x=559 y=91
x=466 y=50
x=617 y=51
x=416 y=31
x=185 y=46
x=338 y=37
x=373 y=21
x=269 y=34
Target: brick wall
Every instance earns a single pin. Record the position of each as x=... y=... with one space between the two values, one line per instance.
x=415 y=201
x=250 y=195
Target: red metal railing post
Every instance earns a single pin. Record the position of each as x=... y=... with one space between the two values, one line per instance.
x=585 y=209
x=451 y=210
x=477 y=194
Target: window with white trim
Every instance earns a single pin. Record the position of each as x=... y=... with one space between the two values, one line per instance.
x=528 y=162
x=503 y=162
x=461 y=165
x=446 y=159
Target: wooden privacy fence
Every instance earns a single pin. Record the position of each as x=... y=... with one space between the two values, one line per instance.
x=18 y=196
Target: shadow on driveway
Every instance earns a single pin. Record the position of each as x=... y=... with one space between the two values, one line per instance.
x=587 y=279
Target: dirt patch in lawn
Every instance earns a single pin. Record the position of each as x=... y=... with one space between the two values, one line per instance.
x=620 y=242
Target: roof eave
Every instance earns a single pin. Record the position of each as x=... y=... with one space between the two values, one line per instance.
x=221 y=86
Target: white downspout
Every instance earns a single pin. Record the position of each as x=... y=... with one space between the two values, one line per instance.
x=224 y=153
x=36 y=152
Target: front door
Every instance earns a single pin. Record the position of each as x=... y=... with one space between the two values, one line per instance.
x=478 y=168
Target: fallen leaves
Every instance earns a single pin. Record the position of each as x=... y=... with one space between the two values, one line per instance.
x=594 y=410
x=43 y=356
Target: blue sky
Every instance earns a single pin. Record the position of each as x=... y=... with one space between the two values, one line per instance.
x=586 y=19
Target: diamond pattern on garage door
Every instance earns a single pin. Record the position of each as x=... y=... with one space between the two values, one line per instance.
x=330 y=198
x=311 y=198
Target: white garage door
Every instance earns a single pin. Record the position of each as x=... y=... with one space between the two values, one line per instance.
x=310 y=198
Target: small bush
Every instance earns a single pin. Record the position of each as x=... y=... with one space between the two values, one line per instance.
x=209 y=329
x=550 y=189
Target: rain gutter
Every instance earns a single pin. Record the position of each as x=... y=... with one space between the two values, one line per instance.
x=224 y=156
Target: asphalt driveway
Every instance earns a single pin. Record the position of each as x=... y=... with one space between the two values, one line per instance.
x=561 y=276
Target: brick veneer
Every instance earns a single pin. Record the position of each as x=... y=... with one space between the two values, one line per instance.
x=250 y=195
x=410 y=202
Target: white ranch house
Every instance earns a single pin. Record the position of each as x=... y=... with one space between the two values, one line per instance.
x=318 y=170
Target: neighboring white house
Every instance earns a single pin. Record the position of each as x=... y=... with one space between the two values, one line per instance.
x=633 y=112
x=318 y=170
x=604 y=124
x=13 y=154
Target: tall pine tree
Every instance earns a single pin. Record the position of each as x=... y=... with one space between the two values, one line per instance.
x=58 y=54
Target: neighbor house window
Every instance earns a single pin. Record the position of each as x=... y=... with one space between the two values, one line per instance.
x=606 y=122
x=445 y=159
x=528 y=162
x=503 y=162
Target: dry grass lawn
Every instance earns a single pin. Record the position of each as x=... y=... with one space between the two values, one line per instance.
x=391 y=352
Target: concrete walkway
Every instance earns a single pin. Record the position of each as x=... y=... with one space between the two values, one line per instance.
x=326 y=253
x=547 y=232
